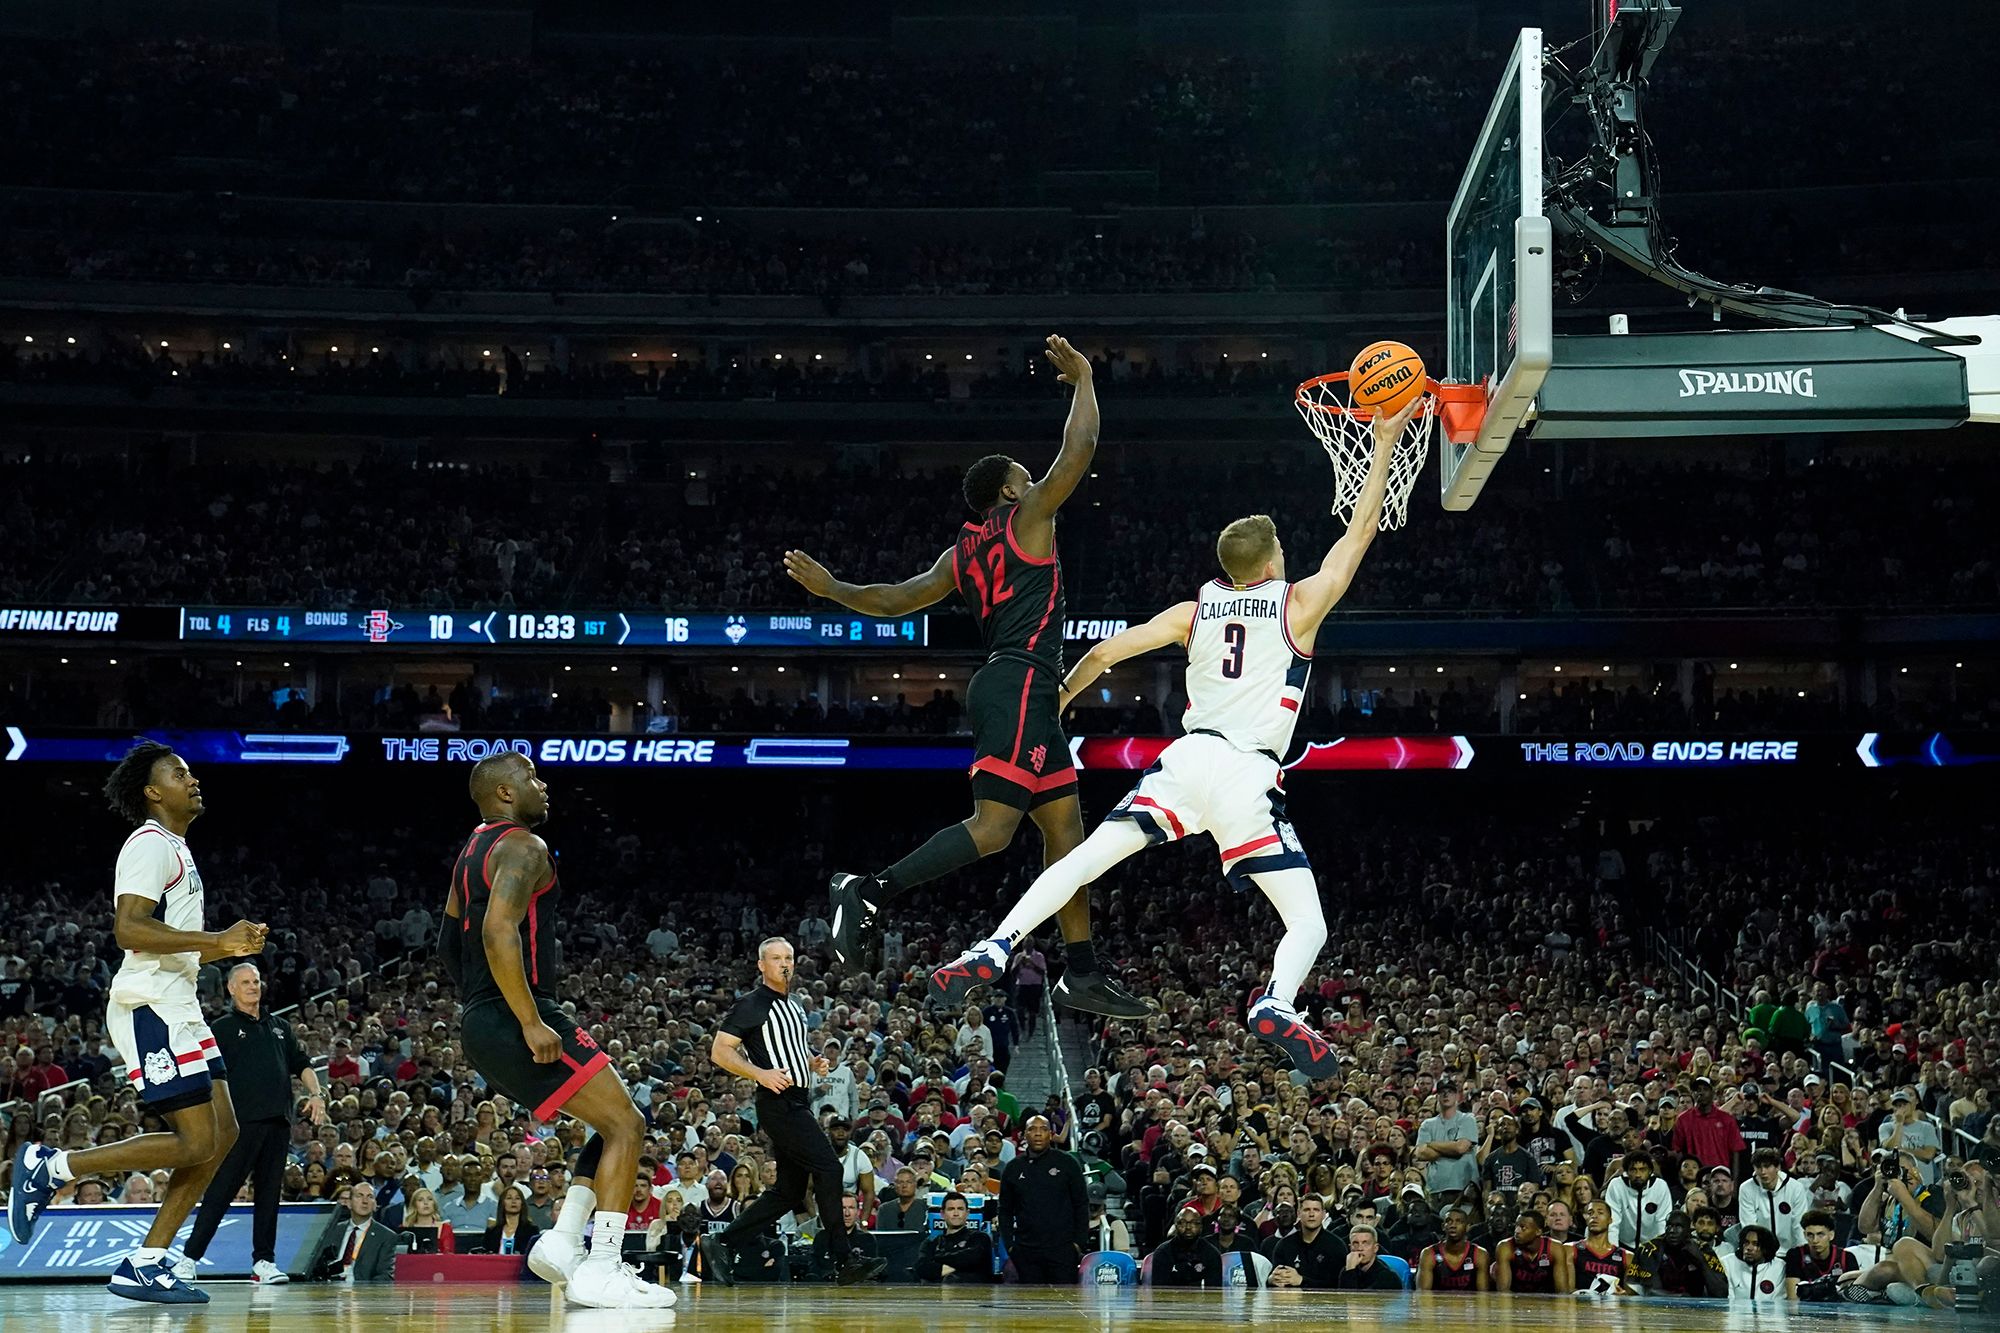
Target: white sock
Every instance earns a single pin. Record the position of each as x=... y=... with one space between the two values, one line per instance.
x=1111 y=842
x=59 y=1167
x=1295 y=894
x=607 y=1238
x=577 y=1206
x=145 y=1254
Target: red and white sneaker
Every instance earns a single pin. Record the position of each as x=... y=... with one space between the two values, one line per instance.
x=1285 y=1028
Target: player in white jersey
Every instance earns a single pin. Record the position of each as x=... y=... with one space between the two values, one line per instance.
x=1246 y=680
x=155 y=1022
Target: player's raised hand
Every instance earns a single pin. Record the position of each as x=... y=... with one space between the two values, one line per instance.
x=1389 y=429
x=808 y=573
x=1072 y=366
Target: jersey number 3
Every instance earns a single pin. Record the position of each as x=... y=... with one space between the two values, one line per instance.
x=1233 y=635
x=997 y=592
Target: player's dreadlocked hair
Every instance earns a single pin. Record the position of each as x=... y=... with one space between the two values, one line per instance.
x=984 y=479
x=125 y=789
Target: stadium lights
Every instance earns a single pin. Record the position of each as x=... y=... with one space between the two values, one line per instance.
x=163 y=342
x=72 y=341
x=114 y=661
x=1392 y=671
x=895 y=675
x=1905 y=671
x=874 y=698
x=1558 y=670
x=1524 y=694
x=779 y=357
x=376 y=350
x=287 y=664
x=697 y=217
x=1607 y=668
x=1960 y=666
x=1440 y=671
x=485 y=351
x=734 y=670
x=1732 y=666
x=65 y=661
x=941 y=675
x=818 y=356
x=968 y=356
x=927 y=356
x=1802 y=694
x=1138 y=698
x=567 y=668
x=635 y=356
x=333 y=349
x=781 y=671
x=28 y=338
x=225 y=346
x=614 y=671
x=554 y=695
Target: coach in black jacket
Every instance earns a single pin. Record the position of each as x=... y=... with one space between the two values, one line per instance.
x=263 y=1055
x=1044 y=1209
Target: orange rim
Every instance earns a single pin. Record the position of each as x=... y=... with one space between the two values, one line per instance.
x=1436 y=395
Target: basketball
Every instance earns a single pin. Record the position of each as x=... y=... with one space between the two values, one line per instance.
x=1385 y=377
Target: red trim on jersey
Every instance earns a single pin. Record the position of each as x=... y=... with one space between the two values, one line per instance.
x=573 y=1084
x=1055 y=591
x=1292 y=704
x=1225 y=583
x=154 y=828
x=1015 y=546
x=1021 y=722
x=1250 y=847
x=1285 y=623
x=134 y=1074
x=1000 y=768
x=486 y=861
x=1172 y=819
x=195 y=1058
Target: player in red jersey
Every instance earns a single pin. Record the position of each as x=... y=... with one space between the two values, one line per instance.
x=1454 y=1264
x=1006 y=568
x=494 y=943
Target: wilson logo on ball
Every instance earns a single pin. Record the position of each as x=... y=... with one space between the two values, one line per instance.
x=1388 y=380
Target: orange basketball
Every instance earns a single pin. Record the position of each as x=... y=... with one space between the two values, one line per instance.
x=1385 y=377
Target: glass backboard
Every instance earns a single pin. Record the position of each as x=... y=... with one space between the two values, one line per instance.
x=1498 y=294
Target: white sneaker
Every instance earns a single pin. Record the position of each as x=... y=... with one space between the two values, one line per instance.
x=616 y=1286
x=183 y=1268
x=690 y=1277
x=268 y=1273
x=554 y=1256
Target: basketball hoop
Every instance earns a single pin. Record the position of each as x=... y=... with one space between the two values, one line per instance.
x=1348 y=434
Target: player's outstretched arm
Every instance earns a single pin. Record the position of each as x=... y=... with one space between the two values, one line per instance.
x=873 y=599
x=1167 y=628
x=1079 y=446
x=1314 y=596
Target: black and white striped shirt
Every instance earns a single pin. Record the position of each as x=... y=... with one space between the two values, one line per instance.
x=773 y=1032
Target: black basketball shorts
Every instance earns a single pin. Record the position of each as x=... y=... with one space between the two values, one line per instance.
x=1020 y=756
x=492 y=1040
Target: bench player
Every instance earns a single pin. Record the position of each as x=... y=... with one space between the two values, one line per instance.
x=1246 y=679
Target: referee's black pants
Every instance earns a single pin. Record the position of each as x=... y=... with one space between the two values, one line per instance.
x=805 y=1156
x=259 y=1154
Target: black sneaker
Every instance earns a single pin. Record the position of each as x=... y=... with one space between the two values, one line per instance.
x=721 y=1263
x=1310 y=1053
x=853 y=915
x=860 y=1268
x=1097 y=992
x=1860 y=1295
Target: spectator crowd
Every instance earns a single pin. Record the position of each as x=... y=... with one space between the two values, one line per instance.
x=1536 y=1094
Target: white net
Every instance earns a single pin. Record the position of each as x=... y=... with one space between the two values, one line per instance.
x=1349 y=439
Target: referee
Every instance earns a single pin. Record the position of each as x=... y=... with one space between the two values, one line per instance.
x=262 y=1053
x=764 y=1039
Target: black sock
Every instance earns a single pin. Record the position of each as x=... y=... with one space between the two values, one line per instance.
x=948 y=850
x=1081 y=955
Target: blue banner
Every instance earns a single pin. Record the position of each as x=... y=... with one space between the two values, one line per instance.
x=79 y=1242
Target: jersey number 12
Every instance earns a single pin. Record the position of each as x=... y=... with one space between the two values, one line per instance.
x=998 y=592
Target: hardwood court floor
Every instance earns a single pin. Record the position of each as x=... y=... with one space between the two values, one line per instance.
x=303 y=1308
